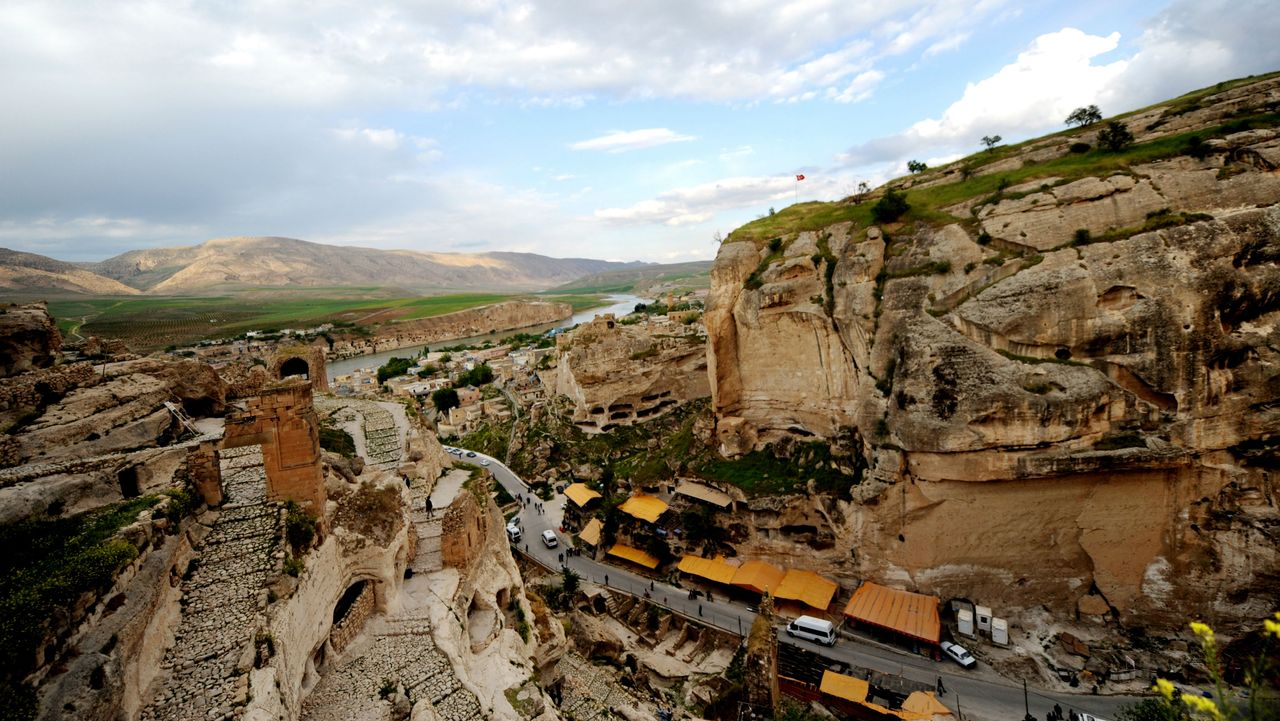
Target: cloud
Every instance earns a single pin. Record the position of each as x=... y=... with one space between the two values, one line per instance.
x=699 y=203
x=1038 y=89
x=621 y=141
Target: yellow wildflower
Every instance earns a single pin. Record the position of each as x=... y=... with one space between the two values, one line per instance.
x=1203 y=631
x=1164 y=688
x=1272 y=627
x=1202 y=705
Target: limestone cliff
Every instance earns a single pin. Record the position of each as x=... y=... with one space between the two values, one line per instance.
x=1067 y=393
x=509 y=315
x=619 y=374
x=29 y=339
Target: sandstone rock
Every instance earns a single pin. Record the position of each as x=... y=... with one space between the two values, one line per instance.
x=1073 y=645
x=1093 y=605
x=29 y=338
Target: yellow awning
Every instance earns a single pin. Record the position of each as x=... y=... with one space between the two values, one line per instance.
x=758 y=576
x=581 y=494
x=591 y=534
x=646 y=508
x=911 y=614
x=634 y=555
x=713 y=569
x=807 y=587
x=703 y=492
x=923 y=702
x=844 y=687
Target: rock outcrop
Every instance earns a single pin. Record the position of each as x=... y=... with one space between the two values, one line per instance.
x=29 y=339
x=510 y=315
x=1074 y=399
x=618 y=374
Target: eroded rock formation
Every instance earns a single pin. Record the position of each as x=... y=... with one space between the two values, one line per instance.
x=618 y=374
x=29 y=339
x=1047 y=420
x=509 y=315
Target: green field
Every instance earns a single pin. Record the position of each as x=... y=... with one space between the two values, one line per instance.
x=151 y=323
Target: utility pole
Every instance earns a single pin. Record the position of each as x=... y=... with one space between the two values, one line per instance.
x=1026 y=704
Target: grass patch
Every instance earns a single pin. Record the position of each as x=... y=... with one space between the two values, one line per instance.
x=48 y=565
x=763 y=472
x=813 y=215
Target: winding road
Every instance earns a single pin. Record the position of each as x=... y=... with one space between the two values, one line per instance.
x=980 y=693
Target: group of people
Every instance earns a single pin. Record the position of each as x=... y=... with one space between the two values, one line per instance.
x=524 y=500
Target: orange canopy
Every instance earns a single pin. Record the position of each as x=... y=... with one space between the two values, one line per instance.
x=713 y=569
x=844 y=687
x=758 y=576
x=910 y=614
x=646 y=508
x=591 y=534
x=807 y=587
x=634 y=555
x=581 y=494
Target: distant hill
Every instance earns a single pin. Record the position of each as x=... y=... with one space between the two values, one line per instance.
x=28 y=272
x=232 y=264
x=696 y=274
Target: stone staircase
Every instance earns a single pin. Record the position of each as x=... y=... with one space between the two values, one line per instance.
x=430 y=532
x=382 y=436
x=203 y=674
x=401 y=650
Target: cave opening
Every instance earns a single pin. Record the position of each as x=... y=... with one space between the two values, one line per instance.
x=295 y=367
x=348 y=600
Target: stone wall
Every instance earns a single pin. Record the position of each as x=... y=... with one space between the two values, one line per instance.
x=287 y=356
x=283 y=420
x=352 y=623
x=465 y=526
x=35 y=388
x=302 y=623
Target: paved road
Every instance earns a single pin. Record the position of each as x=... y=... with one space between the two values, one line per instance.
x=980 y=693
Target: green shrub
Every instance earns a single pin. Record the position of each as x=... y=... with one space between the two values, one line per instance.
x=890 y=207
x=1115 y=137
x=299 y=527
x=1081 y=147
x=1082 y=236
x=294 y=566
x=394 y=367
x=336 y=440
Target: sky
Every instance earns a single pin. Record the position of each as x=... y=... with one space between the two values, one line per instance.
x=603 y=129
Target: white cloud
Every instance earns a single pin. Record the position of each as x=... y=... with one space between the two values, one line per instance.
x=1038 y=89
x=699 y=203
x=621 y=141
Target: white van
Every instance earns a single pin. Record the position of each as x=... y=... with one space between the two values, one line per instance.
x=514 y=533
x=814 y=629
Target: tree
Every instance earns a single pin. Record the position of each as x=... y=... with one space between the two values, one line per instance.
x=1115 y=136
x=890 y=207
x=445 y=399
x=991 y=141
x=1082 y=117
x=916 y=166
x=864 y=189
x=570 y=582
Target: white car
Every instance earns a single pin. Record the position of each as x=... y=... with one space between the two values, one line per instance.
x=549 y=539
x=1089 y=717
x=484 y=462
x=958 y=654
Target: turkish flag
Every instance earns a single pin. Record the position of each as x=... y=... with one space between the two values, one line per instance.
x=799 y=177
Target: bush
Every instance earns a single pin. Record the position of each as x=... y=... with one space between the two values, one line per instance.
x=1115 y=137
x=477 y=376
x=294 y=566
x=890 y=207
x=1081 y=147
x=445 y=399
x=1082 y=236
x=394 y=367
x=299 y=527
x=336 y=440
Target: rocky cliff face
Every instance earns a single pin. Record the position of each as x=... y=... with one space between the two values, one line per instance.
x=510 y=315
x=1067 y=397
x=618 y=374
x=29 y=339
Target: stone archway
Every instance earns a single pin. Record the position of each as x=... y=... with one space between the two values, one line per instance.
x=295 y=366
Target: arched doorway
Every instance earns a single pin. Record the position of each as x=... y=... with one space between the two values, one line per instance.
x=295 y=367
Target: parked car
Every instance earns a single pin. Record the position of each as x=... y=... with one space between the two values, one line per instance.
x=484 y=461
x=549 y=539
x=818 y=630
x=1089 y=717
x=958 y=654
x=471 y=454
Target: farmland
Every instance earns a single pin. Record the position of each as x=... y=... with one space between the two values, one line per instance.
x=152 y=323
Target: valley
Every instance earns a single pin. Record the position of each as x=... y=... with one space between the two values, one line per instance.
x=1025 y=402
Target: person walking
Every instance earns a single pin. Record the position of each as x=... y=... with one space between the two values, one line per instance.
x=699 y=609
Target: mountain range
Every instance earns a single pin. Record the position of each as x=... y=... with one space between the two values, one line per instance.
x=242 y=263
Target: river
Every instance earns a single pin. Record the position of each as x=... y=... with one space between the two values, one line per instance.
x=619 y=305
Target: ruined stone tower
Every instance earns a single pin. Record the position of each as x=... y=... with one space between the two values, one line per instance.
x=283 y=420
